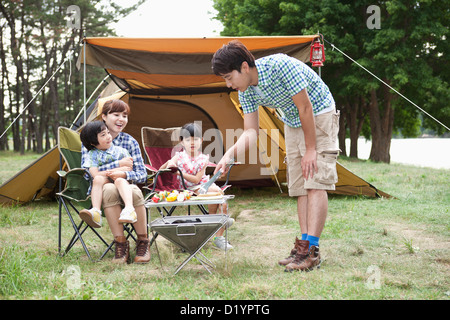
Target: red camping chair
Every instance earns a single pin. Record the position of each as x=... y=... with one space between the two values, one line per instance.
x=159 y=146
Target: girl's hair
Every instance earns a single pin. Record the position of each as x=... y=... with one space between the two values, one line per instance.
x=115 y=105
x=190 y=130
x=230 y=57
x=90 y=132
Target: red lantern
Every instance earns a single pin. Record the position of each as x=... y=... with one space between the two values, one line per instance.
x=317 y=56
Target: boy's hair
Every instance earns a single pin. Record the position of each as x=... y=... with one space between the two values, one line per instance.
x=115 y=105
x=190 y=130
x=230 y=57
x=90 y=132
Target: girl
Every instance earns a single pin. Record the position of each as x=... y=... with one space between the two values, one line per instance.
x=192 y=162
x=115 y=115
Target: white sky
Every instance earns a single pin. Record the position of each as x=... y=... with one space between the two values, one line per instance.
x=169 y=19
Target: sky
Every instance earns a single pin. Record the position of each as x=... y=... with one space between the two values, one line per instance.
x=169 y=19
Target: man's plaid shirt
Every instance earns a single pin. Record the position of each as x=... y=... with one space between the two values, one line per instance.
x=281 y=77
x=124 y=140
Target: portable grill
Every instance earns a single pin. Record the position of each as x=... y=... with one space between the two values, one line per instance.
x=190 y=233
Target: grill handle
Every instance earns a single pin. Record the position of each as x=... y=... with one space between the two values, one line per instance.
x=183 y=232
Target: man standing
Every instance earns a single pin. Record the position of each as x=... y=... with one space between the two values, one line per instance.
x=311 y=128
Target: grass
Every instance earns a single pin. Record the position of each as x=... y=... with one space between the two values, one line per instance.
x=371 y=248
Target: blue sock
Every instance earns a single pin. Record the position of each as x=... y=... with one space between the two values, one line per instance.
x=313 y=241
x=304 y=236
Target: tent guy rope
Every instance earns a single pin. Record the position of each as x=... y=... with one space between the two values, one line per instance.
x=376 y=77
x=82 y=109
x=69 y=56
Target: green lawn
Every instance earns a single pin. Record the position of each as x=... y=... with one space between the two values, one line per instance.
x=371 y=248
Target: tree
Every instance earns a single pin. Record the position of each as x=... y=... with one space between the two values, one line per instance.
x=408 y=51
x=35 y=41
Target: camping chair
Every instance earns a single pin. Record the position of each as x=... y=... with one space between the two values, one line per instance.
x=159 y=147
x=75 y=190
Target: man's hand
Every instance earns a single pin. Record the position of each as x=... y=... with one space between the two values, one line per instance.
x=305 y=111
x=309 y=164
x=222 y=165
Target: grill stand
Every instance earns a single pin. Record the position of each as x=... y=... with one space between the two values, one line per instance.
x=167 y=228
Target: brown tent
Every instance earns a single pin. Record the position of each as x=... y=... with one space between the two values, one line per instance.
x=168 y=82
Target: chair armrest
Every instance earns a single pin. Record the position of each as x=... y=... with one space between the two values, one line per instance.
x=150 y=168
x=61 y=173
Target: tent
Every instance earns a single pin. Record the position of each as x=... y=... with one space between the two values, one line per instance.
x=169 y=82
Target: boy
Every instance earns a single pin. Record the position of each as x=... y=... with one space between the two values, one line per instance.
x=311 y=127
x=98 y=141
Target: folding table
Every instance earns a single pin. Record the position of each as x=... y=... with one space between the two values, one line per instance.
x=191 y=233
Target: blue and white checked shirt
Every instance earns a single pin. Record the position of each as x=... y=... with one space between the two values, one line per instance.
x=280 y=77
x=127 y=142
x=99 y=158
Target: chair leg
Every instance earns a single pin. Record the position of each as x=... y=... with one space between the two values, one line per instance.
x=75 y=237
x=107 y=249
x=87 y=226
x=59 y=226
x=77 y=231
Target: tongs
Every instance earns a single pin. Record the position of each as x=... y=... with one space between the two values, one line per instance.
x=204 y=187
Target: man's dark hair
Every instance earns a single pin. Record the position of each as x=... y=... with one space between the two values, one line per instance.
x=90 y=132
x=230 y=57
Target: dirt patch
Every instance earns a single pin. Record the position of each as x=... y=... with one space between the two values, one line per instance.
x=246 y=215
x=421 y=238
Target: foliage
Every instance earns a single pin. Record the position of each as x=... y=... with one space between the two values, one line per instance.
x=409 y=52
x=35 y=41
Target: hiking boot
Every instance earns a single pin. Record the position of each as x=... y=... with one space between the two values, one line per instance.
x=93 y=217
x=222 y=243
x=142 y=249
x=286 y=261
x=305 y=260
x=122 y=250
x=128 y=215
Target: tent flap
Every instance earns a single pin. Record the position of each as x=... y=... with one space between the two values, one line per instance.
x=178 y=66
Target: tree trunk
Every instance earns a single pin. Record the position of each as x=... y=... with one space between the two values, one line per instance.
x=381 y=128
x=20 y=74
x=4 y=75
x=355 y=119
x=342 y=133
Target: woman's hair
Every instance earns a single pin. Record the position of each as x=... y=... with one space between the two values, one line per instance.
x=190 y=130
x=115 y=105
x=90 y=132
x=230 y=57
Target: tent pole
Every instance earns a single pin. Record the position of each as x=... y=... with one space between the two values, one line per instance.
x=84 y=79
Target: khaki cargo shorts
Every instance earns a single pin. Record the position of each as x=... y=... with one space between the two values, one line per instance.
x=327 y=128
x=111 y=196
